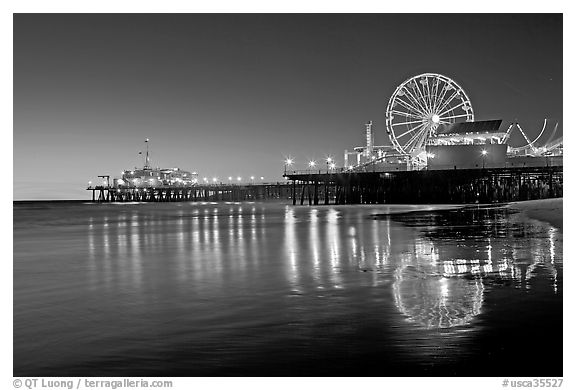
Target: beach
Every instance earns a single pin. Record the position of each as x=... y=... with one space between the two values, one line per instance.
x=546 y=210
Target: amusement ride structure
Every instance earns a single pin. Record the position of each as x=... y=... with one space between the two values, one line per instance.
x=430 y=113
x=438 y=153
x=419 y=107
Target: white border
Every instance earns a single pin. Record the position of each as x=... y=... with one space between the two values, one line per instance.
x=300 y=6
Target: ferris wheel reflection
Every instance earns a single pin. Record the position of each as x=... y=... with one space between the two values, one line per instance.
x=441 y=283
x=436 y=301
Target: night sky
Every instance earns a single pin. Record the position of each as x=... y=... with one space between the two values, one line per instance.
x=233 y=95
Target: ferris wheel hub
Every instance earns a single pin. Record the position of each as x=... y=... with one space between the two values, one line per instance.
x=435 y=118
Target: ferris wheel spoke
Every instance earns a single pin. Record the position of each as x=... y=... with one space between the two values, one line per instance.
x=436 y=103
x=436 y=93
x=415 y=101
x=447 y=102
x=420 y=142
x=442 y=96
x=409 y=106
x=422 y=96
x=429 y=93
x=433 y=96
x=411 y=130
x=416 y=136
x=453 y=108
x=414 y=142
x=406 y=114
x=453 y=116
x=406 y=123
x=425 y=95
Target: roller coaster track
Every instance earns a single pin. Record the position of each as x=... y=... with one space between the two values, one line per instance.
x=531 y=144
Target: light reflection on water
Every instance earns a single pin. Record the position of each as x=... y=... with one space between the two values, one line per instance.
x=310 y=282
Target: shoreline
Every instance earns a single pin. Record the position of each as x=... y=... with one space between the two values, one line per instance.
x=545 y=210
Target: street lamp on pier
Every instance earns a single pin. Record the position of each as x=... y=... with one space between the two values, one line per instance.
x=288 y=162
x=312 y=164
x=328 y=162
x=484 y=153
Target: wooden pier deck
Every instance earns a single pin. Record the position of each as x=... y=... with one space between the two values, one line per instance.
x=197 y=193
x=491 y=185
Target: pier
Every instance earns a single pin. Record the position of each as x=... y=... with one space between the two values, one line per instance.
x=430 y=160
x=491 y=185
x=195 y=193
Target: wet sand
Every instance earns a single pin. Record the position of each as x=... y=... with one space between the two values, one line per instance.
x=546 y=210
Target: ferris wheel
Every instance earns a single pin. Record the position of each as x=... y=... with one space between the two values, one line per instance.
x=420 y=106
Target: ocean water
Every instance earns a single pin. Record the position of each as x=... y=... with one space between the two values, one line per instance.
x=269 y=289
